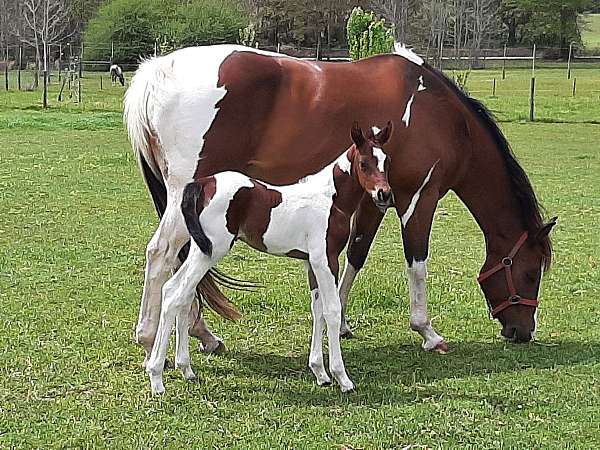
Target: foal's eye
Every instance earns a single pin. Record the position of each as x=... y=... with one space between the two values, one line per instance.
x=363 y=166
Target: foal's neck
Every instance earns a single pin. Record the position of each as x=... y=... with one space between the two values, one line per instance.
x=347 y=187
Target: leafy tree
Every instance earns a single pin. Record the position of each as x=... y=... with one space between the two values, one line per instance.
x=368 y=35
x=135 y=26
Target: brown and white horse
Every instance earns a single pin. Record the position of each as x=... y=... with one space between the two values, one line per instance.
x=203 y=110
x=309 y=219
x=116 y=73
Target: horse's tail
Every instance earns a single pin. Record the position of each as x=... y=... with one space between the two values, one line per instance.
x=209 y=289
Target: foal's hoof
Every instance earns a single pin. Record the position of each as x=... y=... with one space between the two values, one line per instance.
x=214 y=348
x=442 y=348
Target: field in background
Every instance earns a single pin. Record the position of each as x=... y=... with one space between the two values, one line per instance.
x=591 y=31
x=75 y=219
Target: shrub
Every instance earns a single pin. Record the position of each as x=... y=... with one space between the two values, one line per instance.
x=134 y=26
x=368 y=35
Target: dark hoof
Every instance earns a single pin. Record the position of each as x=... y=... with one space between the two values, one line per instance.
x=217 y=348
x=346 y=334
x=442 y=348
x=167 y=364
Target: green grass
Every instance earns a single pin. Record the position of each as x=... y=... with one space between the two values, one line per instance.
x=74 y=221
x=591 y=30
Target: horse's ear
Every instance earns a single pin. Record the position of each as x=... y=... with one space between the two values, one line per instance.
x=384 y=135
x=357 y=135
x=546 y=229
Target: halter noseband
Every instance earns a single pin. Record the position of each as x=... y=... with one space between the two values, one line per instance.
x=506 y=264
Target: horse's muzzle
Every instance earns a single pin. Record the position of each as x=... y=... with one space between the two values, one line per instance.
x=517 y=334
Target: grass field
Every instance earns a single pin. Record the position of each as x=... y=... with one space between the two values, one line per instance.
x=591 y=30
x=74 y=221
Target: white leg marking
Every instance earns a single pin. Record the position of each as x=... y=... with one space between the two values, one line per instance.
x=417 y=288
x=406 y=116
x=332 y=312
x=315 y=359
x=182 y=351
x=348 y=278
x=178 y=295
x=415 y=198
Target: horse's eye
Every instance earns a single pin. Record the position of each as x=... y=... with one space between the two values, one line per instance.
x=363 y=166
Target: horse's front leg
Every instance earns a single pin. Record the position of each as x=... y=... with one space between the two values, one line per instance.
x=364 y=227
x=332 y=312
x=416 y=219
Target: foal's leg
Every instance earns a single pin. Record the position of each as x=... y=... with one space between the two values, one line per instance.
x=315 y=359
x=416 y=228
x=182 y=350
x=178 y=295
x=161 y=260
x=364 y=227
x=332 y=312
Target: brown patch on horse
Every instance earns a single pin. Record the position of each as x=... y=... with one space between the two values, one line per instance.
x=249 y=213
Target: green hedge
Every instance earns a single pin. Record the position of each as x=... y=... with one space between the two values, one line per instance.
x=135 y=25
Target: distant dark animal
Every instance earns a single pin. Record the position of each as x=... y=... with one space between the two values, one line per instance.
x=116 y=73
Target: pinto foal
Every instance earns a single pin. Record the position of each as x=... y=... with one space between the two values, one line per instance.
x=309 y=220
x=116 y=73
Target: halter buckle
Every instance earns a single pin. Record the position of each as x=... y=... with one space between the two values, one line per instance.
x=507 y=261
x=514 y=299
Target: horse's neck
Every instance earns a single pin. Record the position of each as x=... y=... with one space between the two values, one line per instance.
x=487 y=192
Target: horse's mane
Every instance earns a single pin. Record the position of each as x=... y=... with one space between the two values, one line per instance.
x=529 y=207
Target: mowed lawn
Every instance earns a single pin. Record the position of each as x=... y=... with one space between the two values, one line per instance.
x=74 y=221
x=591 y=30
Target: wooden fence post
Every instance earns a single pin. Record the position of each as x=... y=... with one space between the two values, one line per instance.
x=494 y=88
x=504 y=64
x=6 y=70
x=532 y=101
x=19 y=68
x=574 y=85
x=569 y=61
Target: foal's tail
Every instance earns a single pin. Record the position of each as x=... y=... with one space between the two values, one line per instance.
x=189 y=208
x=210 y=291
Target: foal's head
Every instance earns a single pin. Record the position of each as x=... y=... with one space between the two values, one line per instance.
x=370 y=164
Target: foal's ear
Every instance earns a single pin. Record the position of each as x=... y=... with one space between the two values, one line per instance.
x=546 y=228
x=357 y=135
x=384 y=135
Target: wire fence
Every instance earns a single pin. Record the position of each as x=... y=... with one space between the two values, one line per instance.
x=68 y=65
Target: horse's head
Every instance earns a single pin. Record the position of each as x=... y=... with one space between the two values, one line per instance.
x=370 y=164
x=511 y=283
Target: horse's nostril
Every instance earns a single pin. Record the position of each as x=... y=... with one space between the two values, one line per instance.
x=383 y=196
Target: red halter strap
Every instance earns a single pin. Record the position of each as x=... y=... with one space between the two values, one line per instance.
x=506 y=264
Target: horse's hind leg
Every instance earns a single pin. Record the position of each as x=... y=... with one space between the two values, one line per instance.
x=364 y=227
x=210 y=343
x=416 y=227
x=161 y=260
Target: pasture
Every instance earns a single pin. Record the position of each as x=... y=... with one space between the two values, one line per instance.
x=75 y=219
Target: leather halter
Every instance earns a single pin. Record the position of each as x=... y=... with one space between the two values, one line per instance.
x=506 y=264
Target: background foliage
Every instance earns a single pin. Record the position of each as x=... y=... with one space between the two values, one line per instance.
x=368 y=35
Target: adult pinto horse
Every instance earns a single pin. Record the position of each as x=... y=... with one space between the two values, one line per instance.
x=203 y=110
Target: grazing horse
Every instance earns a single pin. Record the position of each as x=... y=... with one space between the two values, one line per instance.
x=309 y=219
x=116 y=73
x=203 y=110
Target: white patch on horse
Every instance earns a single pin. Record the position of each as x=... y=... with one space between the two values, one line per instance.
x=375 y=129
x=419 y=321
x=421 y=85
x=401 y=50
x=406 y=116
x=380 y=155
x=535 y=314
x=287 y=230
x=415 y=198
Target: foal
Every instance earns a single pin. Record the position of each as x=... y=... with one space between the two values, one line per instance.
x=309 y=220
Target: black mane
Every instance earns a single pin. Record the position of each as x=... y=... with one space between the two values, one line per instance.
x=529 y=207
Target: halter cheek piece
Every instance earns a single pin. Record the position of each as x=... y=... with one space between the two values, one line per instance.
x=513 y=297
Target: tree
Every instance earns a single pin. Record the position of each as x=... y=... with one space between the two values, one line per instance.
x=46 y=22
x=136 y=26
x=368 y=35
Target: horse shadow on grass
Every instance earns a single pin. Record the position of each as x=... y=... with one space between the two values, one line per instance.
x=400 y=372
